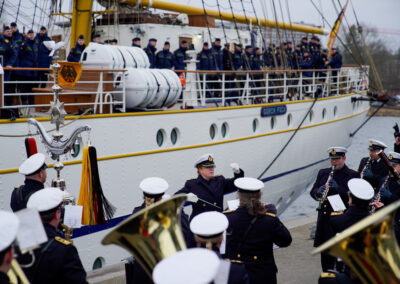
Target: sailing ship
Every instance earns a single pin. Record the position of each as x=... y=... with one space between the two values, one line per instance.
x=277 y=124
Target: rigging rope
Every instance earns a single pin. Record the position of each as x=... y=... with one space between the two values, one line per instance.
x=19 y=5
x=209 y=36
x=34 y=14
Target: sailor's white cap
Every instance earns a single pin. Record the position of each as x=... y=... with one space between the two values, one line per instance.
x=249 y=184
x=9 y=224
x=32 y=164
x=206 y=161
x=195 y=266
x=394 y=157
x=45 y=199
x=337 y=152
x=154 y=185
x=376 y=144
x=209 y=224
x=360 y=188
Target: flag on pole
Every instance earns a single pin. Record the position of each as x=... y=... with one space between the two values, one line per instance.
x=335 y=29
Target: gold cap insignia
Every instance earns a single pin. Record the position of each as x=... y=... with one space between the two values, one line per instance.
x=210 y=159
x=370 y=143
x=390 y=157
x=333 y=152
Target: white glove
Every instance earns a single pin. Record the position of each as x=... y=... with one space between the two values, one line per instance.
x=235 y=168
x=191 y=197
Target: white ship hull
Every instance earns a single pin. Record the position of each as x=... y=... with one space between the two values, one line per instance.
x=128 y=152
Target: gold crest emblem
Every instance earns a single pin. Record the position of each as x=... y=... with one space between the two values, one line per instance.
x=69 y=73
x=390 y=157
x=333 y=152
x=210 y=159
x=370 y=143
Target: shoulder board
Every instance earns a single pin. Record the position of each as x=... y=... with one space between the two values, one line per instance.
x=336 y=213
x=354 y=170
x=227 y=211
x=270 y=214
x=233 y=260
x=63 y=241
x=328 y=275
x=190 y=179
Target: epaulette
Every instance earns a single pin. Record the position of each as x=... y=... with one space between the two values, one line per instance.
x=63 y=241
x=336 y=213
x=328 y=275
x=233 y=260
x=270 y=214
x=190 y=179
x=227 y=211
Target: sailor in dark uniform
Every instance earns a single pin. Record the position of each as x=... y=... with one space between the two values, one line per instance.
x=34 y=169
x=208 y=228
x=388 y=188
x=372 y=168
x=336 y=185
x=57 y=260
x=253 y=231
x=9 y=224
x=207 y=191
x=154 y=189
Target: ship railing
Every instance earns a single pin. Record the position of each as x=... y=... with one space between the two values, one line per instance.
x=98 y=89
x=223 y=88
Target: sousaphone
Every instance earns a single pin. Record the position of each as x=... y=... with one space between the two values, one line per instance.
x=151 y=234
x=369 y=247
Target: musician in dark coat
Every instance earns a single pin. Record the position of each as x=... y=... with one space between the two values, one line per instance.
x=253 y=231
x=57 y=260
x=389 y=189
x=9 y=224
x=154 y=189
x=207 y=191
x=34 y=169
x=337 y=184
x=372 y=168
x=208 y=228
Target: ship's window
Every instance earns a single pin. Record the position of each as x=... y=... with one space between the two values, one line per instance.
x=98 y=263
x=272 y=122
x=335 y=111
x=311 y=116
x=174 y=135
x=213 y=131
x=160 y=137
x=255 y=124
x=289 y=119
x=323 y=113
x=224 y=129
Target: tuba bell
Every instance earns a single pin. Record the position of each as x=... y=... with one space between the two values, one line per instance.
x=151 y=234
x=369 y=247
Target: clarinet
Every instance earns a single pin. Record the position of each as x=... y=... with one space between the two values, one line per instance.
x=325 y=193
x=377 y=197
x=367 y=165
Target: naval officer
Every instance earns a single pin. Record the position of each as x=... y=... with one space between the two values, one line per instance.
x=9 y=224
x=337 y=184
x=372 y=168
x=207 y=191
x=34 y=169
x=208 y=228
x=57 y=260
x=389 y=189
x=253 y=231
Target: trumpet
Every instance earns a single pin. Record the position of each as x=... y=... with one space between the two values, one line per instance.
x=326 y=191
x=369 y=247
x=151 y=234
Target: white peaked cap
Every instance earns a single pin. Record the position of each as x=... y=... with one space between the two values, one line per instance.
x=45 y=199
x=361 y=188
x=154 y=185
x=9 y=224
x=194 y=266
x=373 y=143
x=249 y=184
x=32 y=164
x=209 y=224
x=206 y=157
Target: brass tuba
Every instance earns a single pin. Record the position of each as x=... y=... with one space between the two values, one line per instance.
x=151 y=234
x=16 y=274
x=369 y=247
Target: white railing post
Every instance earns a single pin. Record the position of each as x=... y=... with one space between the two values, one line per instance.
x=285 y=90
x=108 y=97
x=266 y=86
x=124 y=92
x=301 y=85
x=223 y=89
x=204 y=89
x=313 y=85
x=337 y=82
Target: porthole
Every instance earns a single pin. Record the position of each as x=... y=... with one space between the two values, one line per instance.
x=335 y=111
x=323 y=113
x=255 y=124
x=311 y=116
x=224 y=129
x=213 y=131
x=160 y=137
x=289 y=119
x=272 y=122
x=174 y=135
x=98 y=263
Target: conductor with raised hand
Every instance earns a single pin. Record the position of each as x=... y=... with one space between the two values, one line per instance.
x=206 y=192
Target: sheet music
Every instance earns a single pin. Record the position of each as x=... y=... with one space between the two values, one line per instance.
x=222 y=248
x=336 y=202
x=233 y=204
x=73 y=216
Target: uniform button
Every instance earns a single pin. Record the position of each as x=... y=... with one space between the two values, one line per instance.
x=215 y=203
x=238 y=256
x=325 y=206
x=255 y=257
x=204 y=205
x=324 y=213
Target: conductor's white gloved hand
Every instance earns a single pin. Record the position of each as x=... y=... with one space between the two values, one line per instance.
x=191 y=197
x=235 y=168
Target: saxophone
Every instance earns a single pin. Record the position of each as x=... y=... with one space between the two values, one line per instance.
x=326 y=191
x=367 y=166
x=377 y=197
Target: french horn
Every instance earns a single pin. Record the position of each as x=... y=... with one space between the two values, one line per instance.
x=369 y=247
x=151 y=234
